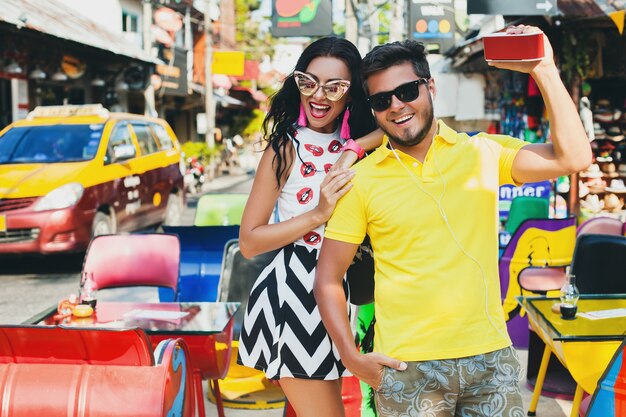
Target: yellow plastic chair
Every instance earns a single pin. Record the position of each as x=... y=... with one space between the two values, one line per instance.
x=244 y=387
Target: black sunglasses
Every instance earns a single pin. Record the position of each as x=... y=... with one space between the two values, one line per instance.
x=405 y=92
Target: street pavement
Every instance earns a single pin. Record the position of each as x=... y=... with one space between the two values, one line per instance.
x=30 y=284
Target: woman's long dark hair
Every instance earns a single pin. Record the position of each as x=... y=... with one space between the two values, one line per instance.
x=280 y=121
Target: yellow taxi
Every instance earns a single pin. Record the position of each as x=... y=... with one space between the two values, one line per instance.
x=68 y=173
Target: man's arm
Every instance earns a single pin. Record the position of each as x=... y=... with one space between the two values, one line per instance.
x=569 y=151
x=335 y=258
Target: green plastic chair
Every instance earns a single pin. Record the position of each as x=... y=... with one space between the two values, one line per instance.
x=523 y=208
x=220 y=209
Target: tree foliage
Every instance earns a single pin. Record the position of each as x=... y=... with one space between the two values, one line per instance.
x=575 y=55
x=250 y=37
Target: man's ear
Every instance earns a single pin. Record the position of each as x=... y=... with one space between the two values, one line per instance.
x=432 y=89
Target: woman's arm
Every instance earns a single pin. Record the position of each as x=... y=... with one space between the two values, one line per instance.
x=368 y=142
x=256 y=236
x=371 y=141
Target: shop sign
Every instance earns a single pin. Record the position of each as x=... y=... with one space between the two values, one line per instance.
x=532 y=189
x=167 y=19
x=432 y=22
x=513 y=7
x=228 y=63
x=161 y=35
x=173 y=72
x=73 y=67
x=301 y=18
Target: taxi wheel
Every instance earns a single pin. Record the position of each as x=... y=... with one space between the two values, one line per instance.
x=102 y=225
x=173 y=211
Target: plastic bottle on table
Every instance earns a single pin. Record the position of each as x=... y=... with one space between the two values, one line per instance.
x=88 y=294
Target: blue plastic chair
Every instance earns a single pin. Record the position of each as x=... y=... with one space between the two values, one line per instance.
x=201 y=256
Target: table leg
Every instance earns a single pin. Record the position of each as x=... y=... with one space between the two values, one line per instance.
x=218 y=398
x=199 y=394
x=578 y=397
x=541 y=375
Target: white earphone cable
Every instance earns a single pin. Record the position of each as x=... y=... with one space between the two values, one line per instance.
x=445 y=219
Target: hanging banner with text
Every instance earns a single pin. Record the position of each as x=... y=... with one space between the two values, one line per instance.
x=301 y=18
x=531 y=189
x=432 y=22
x=513 y=7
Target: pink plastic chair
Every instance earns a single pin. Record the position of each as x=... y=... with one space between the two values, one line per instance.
x=601 y=226
x=133 y=260
x=542 y=280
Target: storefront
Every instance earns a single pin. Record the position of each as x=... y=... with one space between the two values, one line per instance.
x=50 y=57
x=589 y=48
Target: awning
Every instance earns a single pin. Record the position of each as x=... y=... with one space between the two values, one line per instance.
x=594 y=8
x=257 y=95
x=53 y=18
x=221 y=81
x=589 y=8
x=223 y=99
x=227 y=100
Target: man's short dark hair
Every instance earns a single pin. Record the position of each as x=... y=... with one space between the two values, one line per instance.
x=395 y=53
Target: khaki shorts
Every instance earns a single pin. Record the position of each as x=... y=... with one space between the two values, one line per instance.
x=482 y=385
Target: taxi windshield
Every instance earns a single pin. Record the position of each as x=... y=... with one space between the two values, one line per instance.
x=49 y=144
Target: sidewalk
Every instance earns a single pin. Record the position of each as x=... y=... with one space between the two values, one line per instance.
x=225 y=182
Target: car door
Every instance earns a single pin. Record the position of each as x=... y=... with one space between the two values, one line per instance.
x=169 y=177
x=121 y=188
x=149 y=161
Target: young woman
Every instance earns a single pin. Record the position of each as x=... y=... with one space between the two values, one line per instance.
x=311 y=118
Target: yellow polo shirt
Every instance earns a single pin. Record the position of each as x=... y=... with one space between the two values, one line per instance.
x=432 y=300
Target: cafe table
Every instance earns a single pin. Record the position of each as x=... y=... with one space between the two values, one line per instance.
x=584 y=346
x=207 y=328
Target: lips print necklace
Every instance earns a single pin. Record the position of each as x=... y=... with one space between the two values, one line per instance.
x=307 y=167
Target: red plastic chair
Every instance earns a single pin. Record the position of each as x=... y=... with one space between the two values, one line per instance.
x=94 y=385
x=114 y=261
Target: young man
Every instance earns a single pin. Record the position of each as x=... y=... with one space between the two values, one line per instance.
x=428 y=200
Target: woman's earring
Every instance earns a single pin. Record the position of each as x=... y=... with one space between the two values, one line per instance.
x=345 y=127
x=302 y=117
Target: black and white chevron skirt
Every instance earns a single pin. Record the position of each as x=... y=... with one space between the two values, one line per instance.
x=282 y=332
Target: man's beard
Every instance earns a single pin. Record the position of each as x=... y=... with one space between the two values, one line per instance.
x=420 y=135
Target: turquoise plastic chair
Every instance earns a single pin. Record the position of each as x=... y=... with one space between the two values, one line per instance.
x=220 y=209
x=523 y=208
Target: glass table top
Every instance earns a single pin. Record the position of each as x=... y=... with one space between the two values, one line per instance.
x=188 y=318
x=581 y=328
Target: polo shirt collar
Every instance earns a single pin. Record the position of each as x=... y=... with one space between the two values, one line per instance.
x=444 y=132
